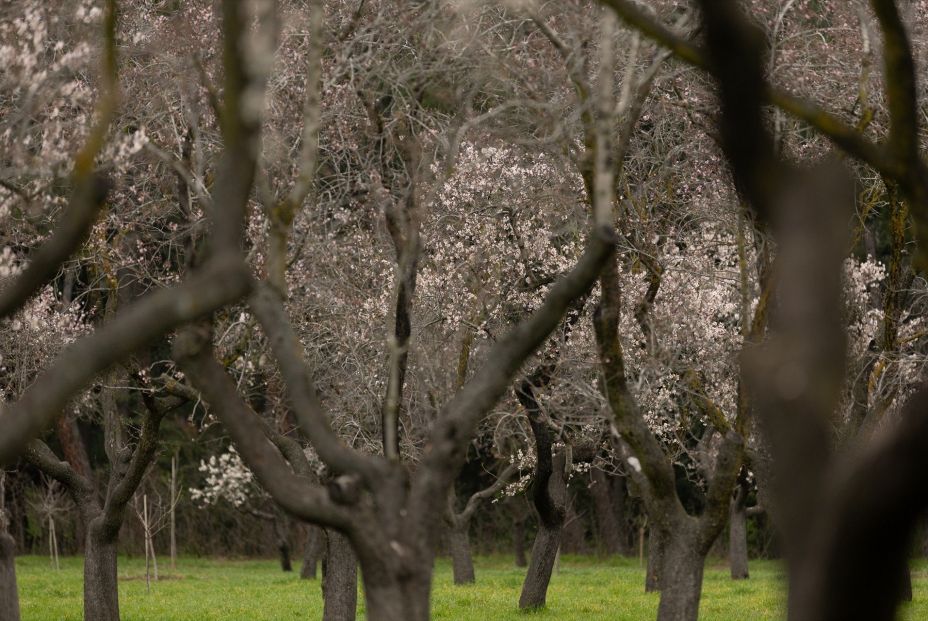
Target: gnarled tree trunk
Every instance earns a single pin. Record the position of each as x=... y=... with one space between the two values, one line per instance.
x=549 y=496
x=340 y=579
x=462 y=562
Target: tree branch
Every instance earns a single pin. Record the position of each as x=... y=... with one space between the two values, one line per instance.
x=296 y=494
x=284 y=342
x=218 y=283
x=445 y=452
x=844 y=136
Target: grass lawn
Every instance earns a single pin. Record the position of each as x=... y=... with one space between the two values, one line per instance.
x=585 y=589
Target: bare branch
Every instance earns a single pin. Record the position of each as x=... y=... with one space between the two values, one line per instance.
x=217 y=284
x=296 y=494
x=271 y=314
x=445 y=453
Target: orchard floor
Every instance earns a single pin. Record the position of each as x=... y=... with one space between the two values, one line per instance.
x=584 y=589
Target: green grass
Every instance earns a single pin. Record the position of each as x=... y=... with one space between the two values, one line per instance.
x=585 y=589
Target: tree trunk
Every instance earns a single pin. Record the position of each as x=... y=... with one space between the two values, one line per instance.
x=9 y=597
x=608 y=531
x=312 y=552
x=339 y=579
x=738 y=540
x=544 y=553
x=656 y=550
x=619 y=494
x=282 y=533
x=283 y=548
x=518 y=542
x=393 y=599
x=462 y=564
x=101 y=590
x=681 y=582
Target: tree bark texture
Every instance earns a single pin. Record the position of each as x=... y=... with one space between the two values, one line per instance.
x=393 y=595
x=101 y=589
x=9 y=597
x=657 y=545
x=544 y=553
x=462 y=562
x=681 y=583
x=339 y=579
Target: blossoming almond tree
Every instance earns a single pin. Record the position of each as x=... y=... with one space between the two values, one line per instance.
x=391 y=514
x=831 y=549
x=220 y=277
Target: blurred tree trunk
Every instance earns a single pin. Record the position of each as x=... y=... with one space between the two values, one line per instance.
x=608 y=532
x=573 y=534
x=738 y=533
x=312 y=551
x=9 y=598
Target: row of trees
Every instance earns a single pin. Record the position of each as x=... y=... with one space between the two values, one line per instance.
x=378 y=243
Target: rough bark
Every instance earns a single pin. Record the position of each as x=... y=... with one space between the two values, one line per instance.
x=339 y=579
x=398 y=600
x=101 y=590
x=462 y=562
x=9 y=597
x=312 y=552
x=538 y=577
x=682 y=579
x=657 y=546
x=396 y=591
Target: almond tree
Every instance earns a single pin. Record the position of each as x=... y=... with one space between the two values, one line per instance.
x=220 y=278
x=833 y=505
x=391 y=513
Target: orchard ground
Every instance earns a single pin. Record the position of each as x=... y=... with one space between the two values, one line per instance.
x=584 y=589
